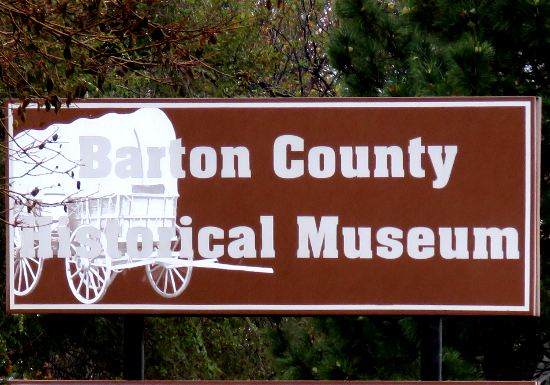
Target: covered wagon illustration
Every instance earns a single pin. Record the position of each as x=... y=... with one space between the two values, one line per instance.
x=98 y=187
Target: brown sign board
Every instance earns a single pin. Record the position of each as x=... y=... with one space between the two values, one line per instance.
x=316 y=206
x=247 y=382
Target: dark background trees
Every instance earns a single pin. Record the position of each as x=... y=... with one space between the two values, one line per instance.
x=57 y=49
x=54 y=51
x=455 y=48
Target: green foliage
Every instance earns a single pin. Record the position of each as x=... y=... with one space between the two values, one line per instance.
x=439 y=47
x=87 y=347
x=45 y=347
x=277 y=51
x=346 y=348
x=467 y=47
x=161 y=48
x=68 y=48
x=454 y=366
x=57 y=50
x=207 y=348
x=367 y=47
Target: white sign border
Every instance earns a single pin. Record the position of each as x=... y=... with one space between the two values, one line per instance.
x=528 y=106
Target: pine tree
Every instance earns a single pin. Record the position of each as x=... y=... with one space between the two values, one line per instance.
x=440 y=48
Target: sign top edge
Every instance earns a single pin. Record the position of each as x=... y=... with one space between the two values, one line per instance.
x=438 y=102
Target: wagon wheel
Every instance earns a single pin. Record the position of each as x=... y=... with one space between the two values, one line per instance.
x=27 y=270
x=167 y=279
x=88 y=278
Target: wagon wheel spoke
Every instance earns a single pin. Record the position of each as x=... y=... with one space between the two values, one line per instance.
x=17 y=269
x=34 y=260
x=98 y=276
x=86 y=284
x=159 y=277
x=25 y=275
x=20 y=281
x=174 y=287
x=176 y=272
x=29 y=268
x=81 y=281
x=74 y=274
x=165 y=281
x=93 y=284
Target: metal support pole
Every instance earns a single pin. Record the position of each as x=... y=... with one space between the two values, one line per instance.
x=134 y=359
x=431 y=348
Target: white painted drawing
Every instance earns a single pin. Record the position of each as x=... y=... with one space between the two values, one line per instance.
x=96 y=193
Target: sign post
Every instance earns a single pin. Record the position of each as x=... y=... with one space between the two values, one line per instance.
x=431 y=348
x=134 y=354
x=323 y=206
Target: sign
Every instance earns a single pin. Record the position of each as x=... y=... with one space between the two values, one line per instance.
x=317 y=206
x=247 y=382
